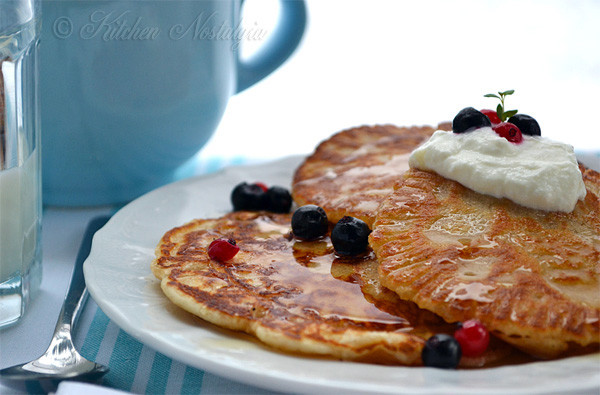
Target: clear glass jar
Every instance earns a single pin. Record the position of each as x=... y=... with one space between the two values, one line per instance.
x=20 y=173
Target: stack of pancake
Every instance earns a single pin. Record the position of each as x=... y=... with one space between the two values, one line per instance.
x=439 y=254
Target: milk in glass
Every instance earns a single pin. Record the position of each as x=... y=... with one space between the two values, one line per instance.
x=20 y=192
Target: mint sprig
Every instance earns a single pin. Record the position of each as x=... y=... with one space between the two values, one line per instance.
x=502 y=113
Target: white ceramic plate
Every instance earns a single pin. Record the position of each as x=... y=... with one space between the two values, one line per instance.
x=119 y=279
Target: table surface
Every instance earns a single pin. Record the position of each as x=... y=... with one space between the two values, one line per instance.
x=360 y=63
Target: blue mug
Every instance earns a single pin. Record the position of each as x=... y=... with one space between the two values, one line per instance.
x=132 y=89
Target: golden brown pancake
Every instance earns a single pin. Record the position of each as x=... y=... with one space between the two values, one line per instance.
x=295 y=295
x=354 y=170
x=530 y=276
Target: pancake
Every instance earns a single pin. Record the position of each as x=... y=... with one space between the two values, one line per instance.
x=530 y=276
x=295 y=296
x=354 y=170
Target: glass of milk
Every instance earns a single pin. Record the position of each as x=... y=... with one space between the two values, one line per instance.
x=20 y=178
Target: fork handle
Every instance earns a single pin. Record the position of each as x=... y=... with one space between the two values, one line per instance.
x=77 y=293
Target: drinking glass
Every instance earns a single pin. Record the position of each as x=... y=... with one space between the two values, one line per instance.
x=20 y=174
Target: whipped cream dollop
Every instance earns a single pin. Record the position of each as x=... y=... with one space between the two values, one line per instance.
x=536 y=173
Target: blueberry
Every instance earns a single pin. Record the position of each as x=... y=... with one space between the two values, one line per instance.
x=350 y=236
x=248 y=197
x=468 y=119
x=309 y=222
x=441 y=351
x=528 y=125
x=279 y=200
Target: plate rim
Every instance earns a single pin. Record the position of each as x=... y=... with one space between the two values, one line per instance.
x=278 y=380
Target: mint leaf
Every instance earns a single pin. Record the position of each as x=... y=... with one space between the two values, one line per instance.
x=500 y=112
x=503 y=115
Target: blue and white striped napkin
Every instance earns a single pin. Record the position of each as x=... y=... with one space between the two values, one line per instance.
x=137 y=368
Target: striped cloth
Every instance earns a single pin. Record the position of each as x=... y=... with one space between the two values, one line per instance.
x=137 y=368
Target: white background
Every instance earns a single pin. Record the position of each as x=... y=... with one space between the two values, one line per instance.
x=419 y=62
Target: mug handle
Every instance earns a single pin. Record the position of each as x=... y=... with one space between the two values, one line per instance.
x=285 y=39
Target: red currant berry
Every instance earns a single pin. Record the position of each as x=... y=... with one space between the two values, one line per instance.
x=492 y=115
x=262 y=186
x=222 y=249
x=473 y=338
x=509 y=131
